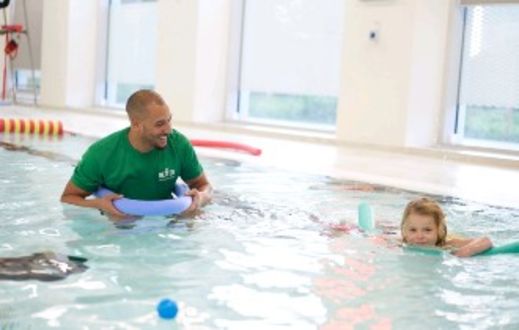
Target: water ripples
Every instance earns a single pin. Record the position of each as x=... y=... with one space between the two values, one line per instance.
x=261 y=256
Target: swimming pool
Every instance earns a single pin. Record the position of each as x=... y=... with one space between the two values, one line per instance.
x=262 y=256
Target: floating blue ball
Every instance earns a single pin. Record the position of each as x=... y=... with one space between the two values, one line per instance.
x=167 y=309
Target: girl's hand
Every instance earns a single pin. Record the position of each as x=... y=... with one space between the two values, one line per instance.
x=473 y=246
x=462 y=252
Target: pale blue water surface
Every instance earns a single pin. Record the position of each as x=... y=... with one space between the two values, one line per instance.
x=261 y=256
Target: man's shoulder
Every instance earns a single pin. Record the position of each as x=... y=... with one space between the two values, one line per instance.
x=109 y=145
x=110 y=140
x=178 y=138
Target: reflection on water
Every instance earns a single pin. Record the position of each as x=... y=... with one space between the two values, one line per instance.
x=274 y=250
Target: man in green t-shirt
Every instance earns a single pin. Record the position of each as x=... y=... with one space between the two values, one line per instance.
x=142 y=161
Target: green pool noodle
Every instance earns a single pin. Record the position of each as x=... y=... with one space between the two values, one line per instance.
x=507 y=248
x=365 y=214
x=503 y=249
x=427 y=250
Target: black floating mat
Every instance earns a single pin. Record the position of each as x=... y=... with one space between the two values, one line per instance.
x=42 y=266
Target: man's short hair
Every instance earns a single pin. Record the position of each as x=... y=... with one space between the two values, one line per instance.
x=140 y=100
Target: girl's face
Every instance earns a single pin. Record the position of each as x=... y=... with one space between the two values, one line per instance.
x=420 y=230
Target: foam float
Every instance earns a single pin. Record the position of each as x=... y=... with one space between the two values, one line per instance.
x=31 y=126
x=226 y=145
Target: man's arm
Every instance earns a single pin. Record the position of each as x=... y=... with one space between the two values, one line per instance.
x=201 y=191
x=74 y=195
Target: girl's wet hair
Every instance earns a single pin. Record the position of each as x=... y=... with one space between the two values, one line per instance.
x=429 y=207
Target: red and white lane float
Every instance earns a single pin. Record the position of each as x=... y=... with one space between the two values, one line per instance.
x=31 y=126
x=226 y=145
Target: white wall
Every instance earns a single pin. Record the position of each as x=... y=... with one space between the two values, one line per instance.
x=33 y=26
x=176 y=56
x=54 y=53
x=69 y=48
x=192 y=58
x=392 y=87
x=374 y=73
x=212 y=60
x=425 y=102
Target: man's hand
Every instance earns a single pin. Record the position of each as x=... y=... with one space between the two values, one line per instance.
x=201 y=192
x=107 y=207
x=196 y=203
x=77 y=196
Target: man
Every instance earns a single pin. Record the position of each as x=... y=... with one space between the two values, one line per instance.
x=140 y=162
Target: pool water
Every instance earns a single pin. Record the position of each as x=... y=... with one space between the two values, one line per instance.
x=263 y=255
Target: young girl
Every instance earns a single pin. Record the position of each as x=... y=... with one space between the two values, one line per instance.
x=423 y=224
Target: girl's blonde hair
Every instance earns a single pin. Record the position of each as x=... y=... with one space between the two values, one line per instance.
x=429 y=207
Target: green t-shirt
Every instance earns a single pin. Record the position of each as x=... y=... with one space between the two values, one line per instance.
x=112 y=162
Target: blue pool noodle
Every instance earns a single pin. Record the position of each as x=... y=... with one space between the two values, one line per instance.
x=365 y=216
x=162 y=207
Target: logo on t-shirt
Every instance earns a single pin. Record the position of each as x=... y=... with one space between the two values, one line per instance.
x=167 y=174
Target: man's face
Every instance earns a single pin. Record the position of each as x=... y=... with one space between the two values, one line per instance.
x=156 y=126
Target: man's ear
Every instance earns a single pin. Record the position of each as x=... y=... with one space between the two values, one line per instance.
x=134 y=122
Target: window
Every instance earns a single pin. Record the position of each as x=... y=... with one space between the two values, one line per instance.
x=290 y=62
x=27 y=82
x=488 y=101
x=132 y=41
